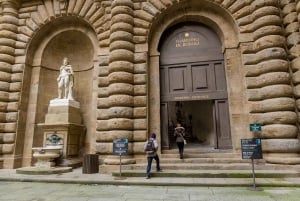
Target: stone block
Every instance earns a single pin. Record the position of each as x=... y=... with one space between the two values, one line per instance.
x=273 y=105
x=140 y=90
x=281 y=145
x=279 y=131
x=282 y=158
x=140 y=124
x=140 y=79
x=121 y=100
x=117 y=66
x=140 y=101
x=103 y=92
x=269 y=41
x=281 y=117
x=120 y=112
x=8 y=148
x=120 y=124
x=9 y=138
x=121 y=77
x=102 y=125
x=103 y=102
x=103 y=114
x=121 y=45
x=292 y=28
x=140 y=68
x=139 y=135
x=293 y=39
x=290 y=18
x=120 y=88
x=139 y=112
x=140 y=57
x=109 y=136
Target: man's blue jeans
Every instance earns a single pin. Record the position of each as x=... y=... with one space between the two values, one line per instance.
x=150 y=158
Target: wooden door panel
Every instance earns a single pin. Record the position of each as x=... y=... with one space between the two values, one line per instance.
x=199 y=78
x=164 y=126
x=203 y=77
x=220 y=77
x=223 y=125
x=177 y=79
x=163 y=80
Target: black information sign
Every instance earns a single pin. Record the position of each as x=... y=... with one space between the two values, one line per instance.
x=120 y=146
x=251 y=148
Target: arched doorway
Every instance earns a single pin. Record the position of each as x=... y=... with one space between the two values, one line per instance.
x=193 y=86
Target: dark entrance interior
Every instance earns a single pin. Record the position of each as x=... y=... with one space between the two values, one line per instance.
x=193 y=87
x=199 y=118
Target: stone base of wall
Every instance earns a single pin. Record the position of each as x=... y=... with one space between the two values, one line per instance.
x=282 y=158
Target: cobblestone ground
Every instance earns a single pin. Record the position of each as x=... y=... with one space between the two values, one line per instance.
x=26 y=191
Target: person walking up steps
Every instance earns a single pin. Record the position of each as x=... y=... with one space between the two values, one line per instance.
x=151 y=147
x=179 y=133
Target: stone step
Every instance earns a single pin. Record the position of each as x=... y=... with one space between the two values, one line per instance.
x=213 y=166
x=199 y=154
x=205 y=152
x=204 y=160
x=212 y=173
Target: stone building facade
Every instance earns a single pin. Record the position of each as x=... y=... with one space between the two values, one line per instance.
x=119 y=48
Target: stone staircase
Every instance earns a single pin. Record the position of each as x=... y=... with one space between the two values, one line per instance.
x=209 y=164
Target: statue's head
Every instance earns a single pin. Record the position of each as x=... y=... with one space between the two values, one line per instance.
x=65 y=61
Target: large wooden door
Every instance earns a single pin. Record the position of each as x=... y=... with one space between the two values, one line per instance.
x=192 y=69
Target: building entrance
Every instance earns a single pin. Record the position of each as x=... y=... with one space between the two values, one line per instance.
x=193 y=87
x=205 y=123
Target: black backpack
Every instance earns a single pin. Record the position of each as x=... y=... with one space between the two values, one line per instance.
x=150 y=148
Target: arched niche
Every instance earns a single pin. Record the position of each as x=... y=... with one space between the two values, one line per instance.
x=63 y=37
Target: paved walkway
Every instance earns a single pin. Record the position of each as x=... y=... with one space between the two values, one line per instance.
x=76 y=177
x=27 y=191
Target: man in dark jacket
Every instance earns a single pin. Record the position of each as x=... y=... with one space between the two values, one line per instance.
x=152 y=155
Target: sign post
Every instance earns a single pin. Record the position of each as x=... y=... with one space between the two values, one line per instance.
x=120 y=147
x=251 y=149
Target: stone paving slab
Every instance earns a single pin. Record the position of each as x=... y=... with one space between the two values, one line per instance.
x=25 y=191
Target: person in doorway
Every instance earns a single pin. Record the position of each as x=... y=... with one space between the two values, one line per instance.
x=179 y=134
x=151 y=147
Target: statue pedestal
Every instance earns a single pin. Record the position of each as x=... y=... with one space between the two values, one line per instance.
x=64 y=119
x=63 y=111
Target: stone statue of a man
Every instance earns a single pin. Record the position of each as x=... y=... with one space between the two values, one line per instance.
x=65 y=81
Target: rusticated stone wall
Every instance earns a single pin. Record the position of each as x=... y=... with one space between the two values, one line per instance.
x=10 y=78
x=268 y=37
x=122 y=98
x=291 y=29
x=116 y=118
x=269 y=84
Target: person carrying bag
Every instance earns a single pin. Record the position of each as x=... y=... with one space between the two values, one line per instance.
x=151 y=147
x=179 y=133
